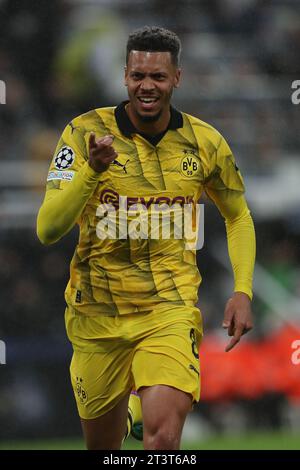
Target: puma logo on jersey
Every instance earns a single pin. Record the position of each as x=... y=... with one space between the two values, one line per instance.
x=194 y=369
x=121 y=165
x=73 y=127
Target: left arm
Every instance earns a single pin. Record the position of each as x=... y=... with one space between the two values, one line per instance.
x=226 y=189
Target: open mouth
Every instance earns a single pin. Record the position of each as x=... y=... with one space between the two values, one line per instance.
x=147 y=102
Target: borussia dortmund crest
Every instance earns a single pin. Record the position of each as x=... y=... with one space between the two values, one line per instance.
x=82 y=395
x=190 y=164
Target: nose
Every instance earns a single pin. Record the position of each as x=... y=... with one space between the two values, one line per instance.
x=147 y=84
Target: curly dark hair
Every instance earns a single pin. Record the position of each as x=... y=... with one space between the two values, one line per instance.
x=154 y=39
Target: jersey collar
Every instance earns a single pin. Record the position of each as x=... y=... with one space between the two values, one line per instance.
x=127 y=128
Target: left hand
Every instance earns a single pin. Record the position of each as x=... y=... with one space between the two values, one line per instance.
x=237 y=318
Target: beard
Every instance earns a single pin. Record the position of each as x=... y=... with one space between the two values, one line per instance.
x=149 y=118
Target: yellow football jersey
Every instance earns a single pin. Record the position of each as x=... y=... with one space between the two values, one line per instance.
x=123 y=274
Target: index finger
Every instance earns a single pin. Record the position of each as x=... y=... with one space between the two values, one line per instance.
x=92 y=140
x=236 y=338
x=107 y=140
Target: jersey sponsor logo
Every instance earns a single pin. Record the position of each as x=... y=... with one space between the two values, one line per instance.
x=108 y=196
x=190 y=164
x=154 y=218
x=64 y=158
x=60 y=175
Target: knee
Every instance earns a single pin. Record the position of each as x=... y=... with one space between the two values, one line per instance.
x=161 y=438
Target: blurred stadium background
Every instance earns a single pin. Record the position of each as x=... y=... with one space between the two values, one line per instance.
x=240 y=57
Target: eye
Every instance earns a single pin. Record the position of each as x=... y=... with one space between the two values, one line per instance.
x=158 y=76
x=136 y=75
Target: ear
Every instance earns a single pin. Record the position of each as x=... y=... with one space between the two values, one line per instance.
x=125 y=76
x=177 y=78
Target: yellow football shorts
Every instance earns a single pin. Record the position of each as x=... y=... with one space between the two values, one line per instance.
x=113 y=355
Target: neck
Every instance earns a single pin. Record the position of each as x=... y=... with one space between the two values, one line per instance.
x=149 y=128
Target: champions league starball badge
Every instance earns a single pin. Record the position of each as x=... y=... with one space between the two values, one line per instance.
x=65 y=158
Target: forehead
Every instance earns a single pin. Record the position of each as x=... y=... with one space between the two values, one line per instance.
x=149 y=60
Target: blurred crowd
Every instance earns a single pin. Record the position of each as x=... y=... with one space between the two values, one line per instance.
x=64 y=57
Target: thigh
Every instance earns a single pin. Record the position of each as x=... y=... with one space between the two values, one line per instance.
x=100 y=380
x=169 y=356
